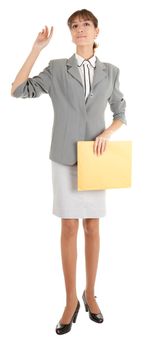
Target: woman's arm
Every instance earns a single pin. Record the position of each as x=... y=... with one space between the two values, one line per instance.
x=101 y=140
x=117 y=105
x=41 y=41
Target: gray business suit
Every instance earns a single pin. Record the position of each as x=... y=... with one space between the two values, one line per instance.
x=75 y=120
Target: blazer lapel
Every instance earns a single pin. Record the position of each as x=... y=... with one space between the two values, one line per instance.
x=72 y=68
x=100 y=72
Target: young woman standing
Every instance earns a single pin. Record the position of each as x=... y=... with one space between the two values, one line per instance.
x=79 y=88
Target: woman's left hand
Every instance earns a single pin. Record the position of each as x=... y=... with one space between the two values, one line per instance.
x=100 y=143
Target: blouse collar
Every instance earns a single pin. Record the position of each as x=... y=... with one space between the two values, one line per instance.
x=81 y=59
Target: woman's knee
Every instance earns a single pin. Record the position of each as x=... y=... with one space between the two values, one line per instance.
x=91 y=226
x=70 y=227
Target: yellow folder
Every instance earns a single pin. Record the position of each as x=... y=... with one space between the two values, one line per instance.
x=111 y=169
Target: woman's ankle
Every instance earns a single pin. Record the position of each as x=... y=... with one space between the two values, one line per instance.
x=71 y=300
x=89 y=293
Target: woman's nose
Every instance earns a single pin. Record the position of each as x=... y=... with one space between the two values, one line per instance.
x=80 y=30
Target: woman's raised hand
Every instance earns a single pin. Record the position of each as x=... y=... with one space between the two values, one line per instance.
x=43 y=38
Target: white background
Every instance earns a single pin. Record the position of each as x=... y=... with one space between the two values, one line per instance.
x=32 y=286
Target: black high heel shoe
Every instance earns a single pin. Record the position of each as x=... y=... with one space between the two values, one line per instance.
x=65 y=328
x=94 y=317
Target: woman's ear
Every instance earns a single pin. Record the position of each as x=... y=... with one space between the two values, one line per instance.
x=97 y=31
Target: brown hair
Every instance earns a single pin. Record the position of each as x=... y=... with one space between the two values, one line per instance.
x=86 y=15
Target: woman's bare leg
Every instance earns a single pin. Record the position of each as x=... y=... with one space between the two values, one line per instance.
x=69 y=229
x=92 y=246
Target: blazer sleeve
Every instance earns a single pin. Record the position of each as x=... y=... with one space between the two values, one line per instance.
x=117 y=102
x=35 y=86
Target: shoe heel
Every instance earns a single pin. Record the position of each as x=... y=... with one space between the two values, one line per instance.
x=85 y=304
x=76 y=314
x=86 y=307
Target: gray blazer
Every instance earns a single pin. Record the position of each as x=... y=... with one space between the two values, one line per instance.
x=74 y=119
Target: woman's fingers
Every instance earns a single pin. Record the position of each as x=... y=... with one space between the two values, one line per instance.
x=99 y=145
x=43 y=37
x=51 y=32
x=46 y=30
x=45 y=33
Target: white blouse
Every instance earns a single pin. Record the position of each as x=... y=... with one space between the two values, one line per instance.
x=86 y=68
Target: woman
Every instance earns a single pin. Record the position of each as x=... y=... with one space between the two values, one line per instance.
x=79 y=88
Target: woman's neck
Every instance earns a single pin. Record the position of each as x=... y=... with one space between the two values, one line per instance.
x=85 y=51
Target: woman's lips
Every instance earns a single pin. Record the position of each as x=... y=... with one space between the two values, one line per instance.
x=80 y=37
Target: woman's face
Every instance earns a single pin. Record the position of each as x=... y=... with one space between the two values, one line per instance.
x=83 y=32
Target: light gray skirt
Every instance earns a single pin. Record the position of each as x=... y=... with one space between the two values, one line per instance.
x=68 y=202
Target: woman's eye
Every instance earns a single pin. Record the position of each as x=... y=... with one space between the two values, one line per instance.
x=74 y=26
x=87 y=24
